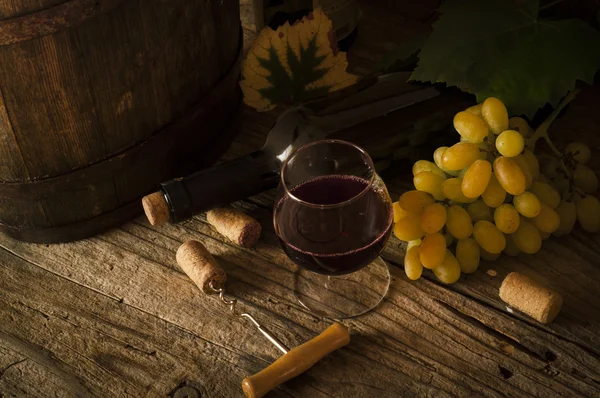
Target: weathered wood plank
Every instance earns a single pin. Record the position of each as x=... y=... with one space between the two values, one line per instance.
x=99 y=346
x=540 y=341
x=22 y=377
x=418 y=329
x=115 y=316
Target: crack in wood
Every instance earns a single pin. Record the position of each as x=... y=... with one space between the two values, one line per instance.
x=42 y=313
x=48 y=360
x=193 y=228
x=593 y=352
x=492 y=306
x=6 y=368
x=497 y=334
x=136 y=308
x=149 y=353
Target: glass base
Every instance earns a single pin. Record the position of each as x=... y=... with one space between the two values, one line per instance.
x=345 y=296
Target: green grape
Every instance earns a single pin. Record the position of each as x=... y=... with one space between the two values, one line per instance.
x=437 y=156
x=449 y=238
x=470 y=127
x=460 y=156
x=506 y=218
x=543 y=178
x=489 y=237
x=399 y=212
x=511 y=248
x=478 y=210
x=550 y=167
x=449 y=270
x=562 y=184
x=452 y=189
x=585 y=179
x=509 y=175
x=409 y=228
x=426 y=165
x=412 y=264
x=433 y=218
x=458 y=222
x=510 y=143
x=432 y=250
x=495 y=114
x=580 y=152
x=567 y=213
x=588 y=213
x=524 y=166
x=527 y=204
x=476 y=178
x=426 y=181
x=467 y=254
x=548 y=220
x=461 y=174
x=412 y=243
x=521 y=125
x=494 y=195
x=487 y=256
x=415 y=201
x=484 y=154
x=546 y=193
x=475 y=109
x=545 y=235
x=532 y=162
x=527 y=237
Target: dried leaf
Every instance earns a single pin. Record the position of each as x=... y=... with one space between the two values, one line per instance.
x=294 y=63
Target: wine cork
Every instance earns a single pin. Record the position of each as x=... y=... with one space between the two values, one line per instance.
x=156 y=208
x=201 y=267
x=237 y=226
x=530 y=297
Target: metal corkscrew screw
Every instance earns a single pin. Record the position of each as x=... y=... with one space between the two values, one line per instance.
x=232 y=302
x=201 y=267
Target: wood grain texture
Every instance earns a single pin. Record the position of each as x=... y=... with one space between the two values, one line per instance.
x=111 y=75
x=114 y=316
x=427 y=339
x=17 y=8
x=46 y=21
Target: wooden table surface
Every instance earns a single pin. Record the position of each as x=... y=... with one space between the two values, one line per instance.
x=114 y=316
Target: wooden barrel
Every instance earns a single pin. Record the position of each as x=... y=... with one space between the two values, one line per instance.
x=101 y=100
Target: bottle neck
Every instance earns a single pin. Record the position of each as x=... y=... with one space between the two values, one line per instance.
x=220 y=185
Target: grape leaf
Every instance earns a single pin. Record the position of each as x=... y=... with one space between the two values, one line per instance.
x=294 y=63
x=500 y=48
x=404 y=56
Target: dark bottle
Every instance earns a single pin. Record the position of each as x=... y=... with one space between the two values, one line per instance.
x=181 y=198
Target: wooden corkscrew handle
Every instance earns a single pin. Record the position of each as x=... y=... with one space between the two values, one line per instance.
x=296 y=361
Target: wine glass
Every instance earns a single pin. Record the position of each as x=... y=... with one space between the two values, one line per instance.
x=333 y=216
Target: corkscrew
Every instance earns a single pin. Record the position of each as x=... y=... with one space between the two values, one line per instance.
x=201 y=267
x=231 y=302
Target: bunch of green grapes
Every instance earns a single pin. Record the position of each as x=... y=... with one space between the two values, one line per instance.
x=486 y=195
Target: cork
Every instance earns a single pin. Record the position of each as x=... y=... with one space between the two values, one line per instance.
x=237 y=226
x=530 y=297
x=156 y=208
x=201 y=267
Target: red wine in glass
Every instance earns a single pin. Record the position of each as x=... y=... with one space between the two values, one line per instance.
x=338 y=240
x=333 y=216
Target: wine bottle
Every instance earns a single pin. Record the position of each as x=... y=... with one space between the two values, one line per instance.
x=181 y=198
